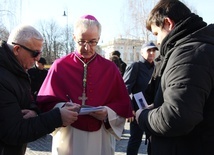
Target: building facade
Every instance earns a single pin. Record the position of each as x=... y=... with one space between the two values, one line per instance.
x=129 y=49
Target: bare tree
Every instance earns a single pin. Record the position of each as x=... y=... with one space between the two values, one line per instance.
x=134 y=17
x=54 y=40
x=50 y=32
x=10 y=13
x=4 y=33
x=135 y=13
x=8 y=18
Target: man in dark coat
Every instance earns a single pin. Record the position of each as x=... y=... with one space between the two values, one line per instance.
x=37 y=75
x=122 y=63
x=136 y=78
x=19 y=120
x=182 y=121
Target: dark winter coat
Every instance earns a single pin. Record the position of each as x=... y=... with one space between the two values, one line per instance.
x=183 y=121
x=15 y=95
x=137 y=77
x=37 y=77
x=123 y=66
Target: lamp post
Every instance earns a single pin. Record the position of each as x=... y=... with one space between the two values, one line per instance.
x=67 y=37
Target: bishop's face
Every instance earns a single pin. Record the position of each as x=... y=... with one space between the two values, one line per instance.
x=87 y=41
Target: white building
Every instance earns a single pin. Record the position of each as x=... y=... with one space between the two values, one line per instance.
x=129 y=49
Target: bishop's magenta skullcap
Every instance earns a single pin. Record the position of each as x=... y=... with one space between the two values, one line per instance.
x=90 y=17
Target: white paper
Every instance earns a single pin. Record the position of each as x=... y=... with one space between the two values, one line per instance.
x=141 y=101
x=87 y=110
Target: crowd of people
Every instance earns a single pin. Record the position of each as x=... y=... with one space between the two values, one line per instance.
x=85 y=99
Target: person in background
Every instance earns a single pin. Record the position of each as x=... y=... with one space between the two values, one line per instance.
x=122 y=63
x=115 y=59
x=20 y=122
x=37 y=76
x=88 y=79
x=182 y=120
x=136 y=78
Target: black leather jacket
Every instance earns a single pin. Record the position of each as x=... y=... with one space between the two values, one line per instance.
x=183 y=121
x=137 y=77
x=15 y=131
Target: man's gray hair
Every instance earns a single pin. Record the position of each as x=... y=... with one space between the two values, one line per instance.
x=23 y=34
x=81 y=25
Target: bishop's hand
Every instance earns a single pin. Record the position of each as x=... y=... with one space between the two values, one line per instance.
x=100 y=115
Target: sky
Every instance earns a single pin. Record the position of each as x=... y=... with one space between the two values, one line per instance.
x=108 y=12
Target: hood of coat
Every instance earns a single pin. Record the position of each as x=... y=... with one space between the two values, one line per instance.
x=9 y=61
x=193 y=29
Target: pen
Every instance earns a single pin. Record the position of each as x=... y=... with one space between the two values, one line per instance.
x=69 y=99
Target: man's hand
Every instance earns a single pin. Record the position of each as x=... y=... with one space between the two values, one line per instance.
x=28 y=113
x=138 y=112
x=69 y=114
x=76 y=107
x=100 y=115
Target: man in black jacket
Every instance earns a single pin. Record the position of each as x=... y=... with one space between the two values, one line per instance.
x=182 y=121
x=19 y=120
x=122 y=63
x=136 y=78
x=37 y=75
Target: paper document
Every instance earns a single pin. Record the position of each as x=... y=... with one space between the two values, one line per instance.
x=141 y=101
x=88 y=109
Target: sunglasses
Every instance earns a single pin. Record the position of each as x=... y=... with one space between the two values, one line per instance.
x=34 y=53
